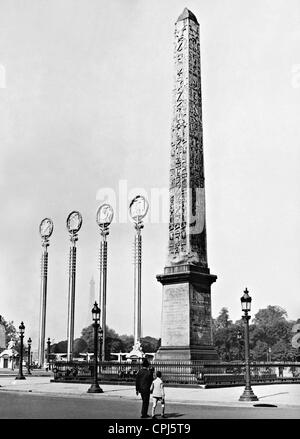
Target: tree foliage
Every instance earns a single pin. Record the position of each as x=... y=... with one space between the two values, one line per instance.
x=271 y=328
x=10 y=331
x=60 y=347
x=266 y=317
x=128 y=341
x=80 y=346
x=114 y=343
x=149 y=344
x=269 y=335
x=225 y=337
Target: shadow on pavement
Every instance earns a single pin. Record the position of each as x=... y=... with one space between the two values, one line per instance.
x=273 y=394
x=171 y=415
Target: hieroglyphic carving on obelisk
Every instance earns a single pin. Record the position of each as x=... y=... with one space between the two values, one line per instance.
x=187 y=233
x=186 y=304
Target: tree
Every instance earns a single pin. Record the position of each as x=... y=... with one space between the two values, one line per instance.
x=226 y=343
x=80 y=346
x=60 y=347
x=149 y=344
x=270 y=330
x=267 y=316
x=87 y=334
x=117 y=343
x=10 y=331
x=127 y=341
x=222 y=321
x=113 y=343
x=225 y=336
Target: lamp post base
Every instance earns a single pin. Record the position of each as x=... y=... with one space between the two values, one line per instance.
x=95 y=388
x=20 y=377
x=248 y=395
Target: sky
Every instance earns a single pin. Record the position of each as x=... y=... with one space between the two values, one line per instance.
x=86 y=107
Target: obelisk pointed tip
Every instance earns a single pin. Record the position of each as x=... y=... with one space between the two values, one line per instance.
x=187 y=14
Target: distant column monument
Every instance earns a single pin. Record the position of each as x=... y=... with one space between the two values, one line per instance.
x=186 y=304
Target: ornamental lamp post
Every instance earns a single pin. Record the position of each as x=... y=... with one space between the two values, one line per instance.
x=29 y=341
x=74 y=222
x=22 y=330
x=138 y=209
x=104 y=217
x=45 y=229
x=48 y=351
x=239 y=338
x=101 y=339
x=95 y=388
x=13 y=361
x=248 y=394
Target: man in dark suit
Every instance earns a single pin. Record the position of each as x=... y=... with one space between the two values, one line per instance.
x=143 y=383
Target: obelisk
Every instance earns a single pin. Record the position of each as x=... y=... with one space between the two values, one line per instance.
x=186 y=302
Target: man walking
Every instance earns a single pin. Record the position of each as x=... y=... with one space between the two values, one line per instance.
x=143 y=383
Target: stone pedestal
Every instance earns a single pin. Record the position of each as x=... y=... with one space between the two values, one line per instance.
x=186 y=314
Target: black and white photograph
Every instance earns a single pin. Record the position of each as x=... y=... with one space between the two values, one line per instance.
x=150 y=211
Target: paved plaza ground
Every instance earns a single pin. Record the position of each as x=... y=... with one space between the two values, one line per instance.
x=120 y=401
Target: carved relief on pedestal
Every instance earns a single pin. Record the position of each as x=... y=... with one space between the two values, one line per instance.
x=200 y=315
x=175 y=331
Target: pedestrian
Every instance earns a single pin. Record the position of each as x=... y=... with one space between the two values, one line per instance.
x=143 y=383
x=158 y=394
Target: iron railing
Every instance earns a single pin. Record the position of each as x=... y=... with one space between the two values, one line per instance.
x=210 y=374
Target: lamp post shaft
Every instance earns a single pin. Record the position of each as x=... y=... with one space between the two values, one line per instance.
x=71 y=298
x=21 y=356
x=21 y=376
x=248 y=394
x=137 y=283
x=101 y=348
x=95 y=388
x=29 y=359
x=103 y=283
x=48 y=352
x=96 y=326
x=247 y=364
x=43 y=302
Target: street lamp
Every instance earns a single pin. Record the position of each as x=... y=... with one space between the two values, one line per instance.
x=239 y=338
x=248 y=394
x=29 y=341
x=22 y=330
x=13 y=361
x=138 y=209
x=95 y=388
x=270 y=353
x=48 y=351
x=102 y=346
x=46 y=229
x=74 y=222
x=104 y=217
